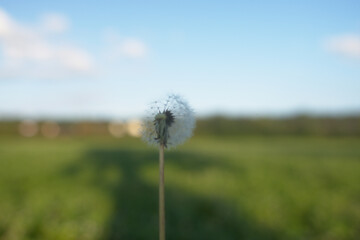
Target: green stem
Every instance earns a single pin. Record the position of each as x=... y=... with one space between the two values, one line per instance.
x=161 y=195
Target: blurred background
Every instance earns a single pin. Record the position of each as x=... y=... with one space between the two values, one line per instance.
x=275 y=86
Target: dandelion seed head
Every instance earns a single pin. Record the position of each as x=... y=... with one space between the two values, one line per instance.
x=170 y=122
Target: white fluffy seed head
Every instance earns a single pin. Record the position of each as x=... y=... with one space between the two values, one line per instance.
x=179 y=131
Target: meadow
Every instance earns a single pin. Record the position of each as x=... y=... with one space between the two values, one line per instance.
x=217 y=188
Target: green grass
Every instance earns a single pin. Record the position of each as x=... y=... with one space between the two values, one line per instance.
x=229 y=188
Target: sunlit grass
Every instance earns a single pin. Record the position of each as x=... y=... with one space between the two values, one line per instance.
x=228 y=188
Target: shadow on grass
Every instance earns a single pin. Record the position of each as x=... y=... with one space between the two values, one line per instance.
x=188 y=216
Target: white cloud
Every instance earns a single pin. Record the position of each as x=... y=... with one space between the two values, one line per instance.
x=55 y=23
x=5 y=23
x=345 y=45
x=133 y=48
x=28 y=52
x=118 y=46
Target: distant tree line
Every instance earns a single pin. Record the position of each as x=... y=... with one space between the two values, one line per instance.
x=223 y=126
x=68 y=128
x=296 y=125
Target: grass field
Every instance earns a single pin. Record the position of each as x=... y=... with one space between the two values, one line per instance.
x=229 y=188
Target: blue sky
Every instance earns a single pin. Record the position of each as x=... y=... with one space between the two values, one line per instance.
x=110 y=59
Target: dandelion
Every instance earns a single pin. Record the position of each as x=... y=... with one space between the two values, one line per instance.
x=168 y=123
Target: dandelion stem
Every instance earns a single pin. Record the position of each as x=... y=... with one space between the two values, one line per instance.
x=161 y=195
